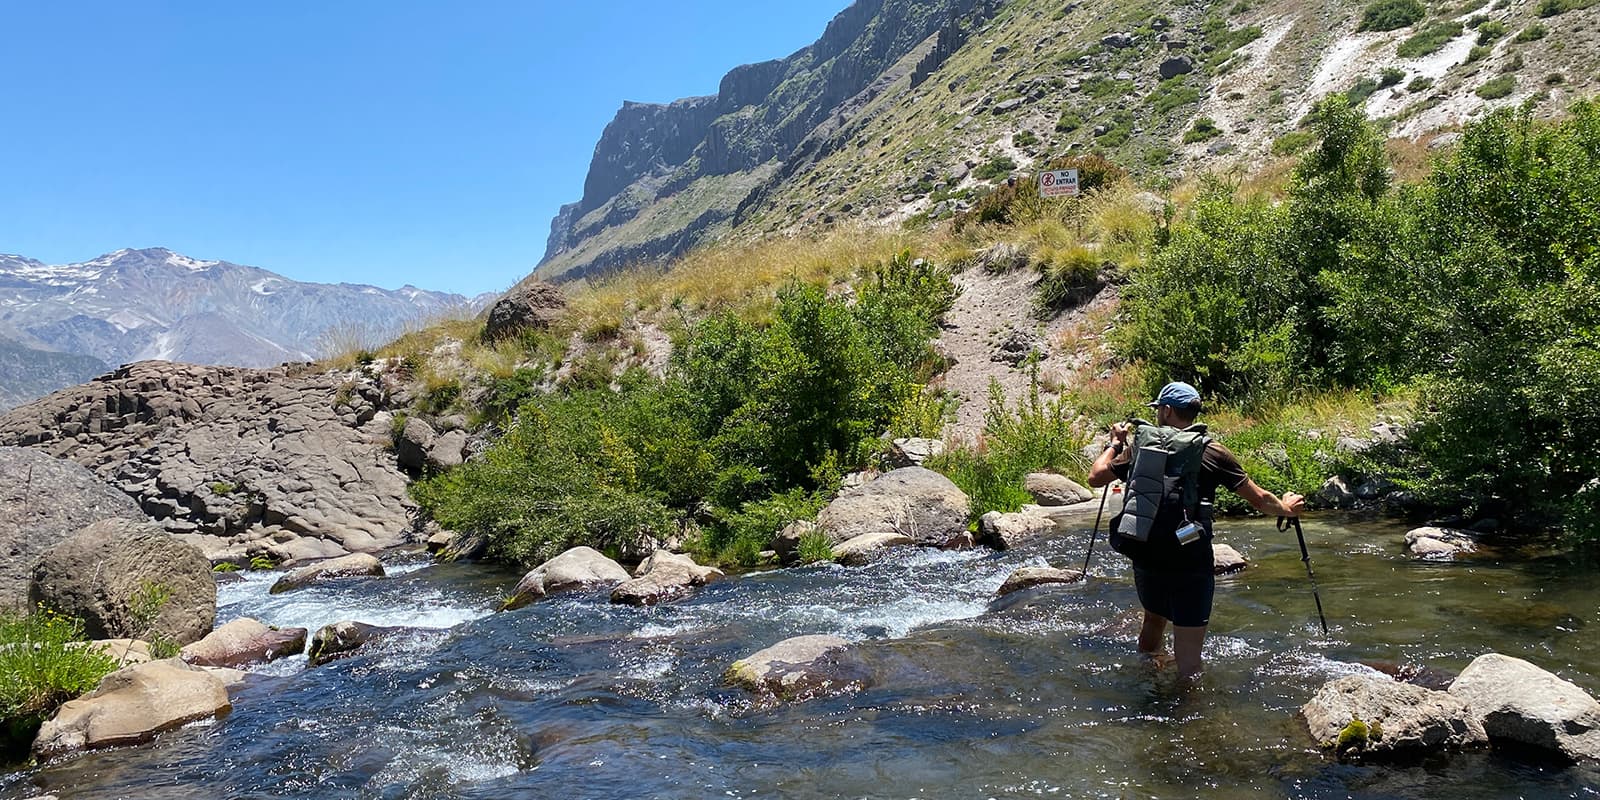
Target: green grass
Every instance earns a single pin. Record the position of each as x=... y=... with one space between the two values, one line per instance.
x=44 y=664
x=1204 y=128
x=1497 y=88
x=1429 y=40
x=1389 y=15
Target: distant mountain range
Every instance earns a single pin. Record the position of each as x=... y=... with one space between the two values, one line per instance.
x=62 y=324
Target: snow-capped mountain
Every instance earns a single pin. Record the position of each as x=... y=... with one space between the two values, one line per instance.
x=140 y=304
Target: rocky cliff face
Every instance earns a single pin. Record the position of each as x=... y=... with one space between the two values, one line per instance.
x=664 y=175
x=890 y=114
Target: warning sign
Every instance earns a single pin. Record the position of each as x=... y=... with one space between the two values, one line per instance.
x=1060 y=183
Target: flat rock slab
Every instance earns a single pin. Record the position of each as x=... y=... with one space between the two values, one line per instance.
x=1003 y=531
x=1520 y=703
x=914 y=502
x=578 y=569
x=245 y=641
x=1400 y=719
x=354 y=565
x=131 y=706
x=662 y=577
x=799 y=668
x=858 y=550
x=1029 y=577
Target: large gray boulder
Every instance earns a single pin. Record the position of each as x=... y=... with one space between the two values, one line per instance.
x=913 y=501
x=1518 y=702
x=43 y=499
x=581 y=568
x=114 y=575
x=131 y=706
x=1050 y=489
x=1439 y=544
x=351 y=566
x=664 y=576
x=530 y=305
x=1003 y=531
x=245 y=641
x=799 y=668
x=1225 y=560
x=342 y=639
x=1380 y=717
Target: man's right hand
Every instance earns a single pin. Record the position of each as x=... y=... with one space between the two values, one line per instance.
x=1120 y=431
x=1294 y=502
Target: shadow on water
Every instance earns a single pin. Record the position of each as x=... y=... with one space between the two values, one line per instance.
x=1040 y=694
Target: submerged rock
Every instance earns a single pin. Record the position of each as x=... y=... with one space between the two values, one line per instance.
x=799 y=668
x=1050 y=489
x=664 y=576
x=1379 y=717
x=913 y=501
x=1520 y=703
x=1438 y=544
x=581 y=568
x=858 y=550
x=245 y=641
x=1029 y=577
x=1003 y=531
x=131 y=706
x=126 y=579
x=344 y=638
x=350 y=566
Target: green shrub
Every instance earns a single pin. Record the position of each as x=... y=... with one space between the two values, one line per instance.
x=1024 y=139
x=1172 y=94
x=1278 y=458
x=1478 y=53
x=1362 y=90
x=739 y=537
x=814 y=547
x=1069 y=278
x=1292 y=142
x=1390 y=76
x=1419 y=84
x=1429 y=39
x=44 y=664
x=1497 y=88
x=1029 y=436
x=1203 y=129
x=1491 y=31
x=996 y=167
x=1388 y=15
x=1070 y=121
x=1550 y=8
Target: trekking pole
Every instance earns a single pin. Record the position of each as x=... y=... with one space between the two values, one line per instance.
x=1095 y=531
x=1305 y=555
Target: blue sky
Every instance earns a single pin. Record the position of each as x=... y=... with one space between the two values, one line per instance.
x=369 y=142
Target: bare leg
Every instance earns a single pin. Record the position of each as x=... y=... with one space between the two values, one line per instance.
x=1186 y=642
x=1152 y=636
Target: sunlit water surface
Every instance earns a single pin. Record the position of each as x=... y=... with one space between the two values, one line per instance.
x=576 y=698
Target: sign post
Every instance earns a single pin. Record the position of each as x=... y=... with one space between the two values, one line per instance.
x=1059 y=183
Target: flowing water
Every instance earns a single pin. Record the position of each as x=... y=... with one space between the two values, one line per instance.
x=576 y=698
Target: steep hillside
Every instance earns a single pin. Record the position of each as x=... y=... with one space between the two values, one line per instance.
x=869 y=126
x=29 y=373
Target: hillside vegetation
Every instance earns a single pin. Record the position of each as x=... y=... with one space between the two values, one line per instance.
x=1460 y=305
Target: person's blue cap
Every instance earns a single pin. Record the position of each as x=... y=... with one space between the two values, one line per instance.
x=1178 y=395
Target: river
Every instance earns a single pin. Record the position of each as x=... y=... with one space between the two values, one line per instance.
x=577 y=698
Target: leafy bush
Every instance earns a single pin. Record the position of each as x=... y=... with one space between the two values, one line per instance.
x=1363 y=89
x=1429 y=39
x=1550 y=8
x=1032 y=435
x=1478 y=53
x=1491 y=31
x=1024 y=139
x=1497 y=88
x=1203 y=129
x=996 y=167
x=1419 y=84
x=1532 y=33
x=1292 y=142
x=1172 y=94
x=45 y=664
x=739 y=537
x=1070 y=121
x=1390 y=76
x=1388 y=15
x=1278 y=458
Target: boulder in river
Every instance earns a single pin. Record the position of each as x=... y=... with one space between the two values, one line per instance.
x=1225 y=560
x=44 y=499
x=344 y=638
x=912 y=501
x=351 y=566
x=1003 y=531
x=1050 y=489
x=128 y=579
x=664 y=576
x=800 y=668
x=1522 y=704
x=1438 y=544
x=787 y=543
x=1029 y=577
x=859 y=549
x=131 y=706
x=1373 y=716
x=581 y=568
x=245 y=641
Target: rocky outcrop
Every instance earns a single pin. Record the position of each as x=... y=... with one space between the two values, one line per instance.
x=799 y=668
x=664 y=576
x=578 y=569
x=1029 y=577
x=343 y=639
x=351 y=566
x=858 y=550
x=1003 y=531
x=245 y=641
x=532 y=305
x=787 y=543
x=1050 y=489
x=243 y=462
x=1518 y=703
x=913 y=502
x=128 y=579
x=132 y=705
x=44 y=499
x=1438 y=544
x=911 y=452
x=1378 y=717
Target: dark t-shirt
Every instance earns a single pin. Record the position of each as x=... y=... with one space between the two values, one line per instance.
x=1218 y=467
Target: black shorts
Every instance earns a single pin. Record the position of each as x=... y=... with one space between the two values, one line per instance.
x=1183 y=598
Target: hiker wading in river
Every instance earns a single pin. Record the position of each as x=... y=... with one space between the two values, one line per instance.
x=1173 y=469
